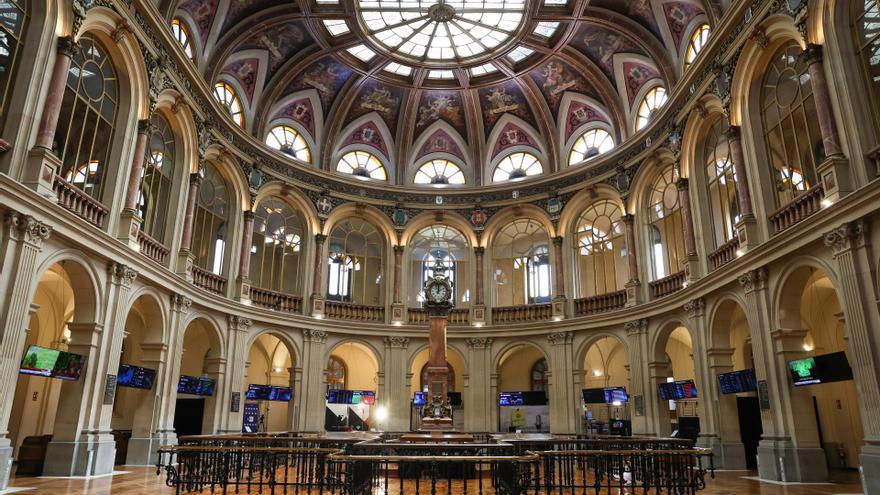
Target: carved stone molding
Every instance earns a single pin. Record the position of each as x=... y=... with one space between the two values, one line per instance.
x=560 y=338
x=479 y=342
x=754 y=280
x=396 y=342
x=25 y=228
x=695 y=307
x=316 y=336
x=636 y=326
x=239 y=323
x=121 y=274
x=180 y=303
x=847 y=236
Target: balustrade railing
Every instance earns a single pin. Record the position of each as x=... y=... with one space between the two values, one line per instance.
x=457 y=316
x=667 y=285
x=81 y=204
x=724 y=254
x=209 y=281
x=523 y=313
x=151 y=248
x=600 y=303
x=349 y=311
x=278 y=301
x=801 y=207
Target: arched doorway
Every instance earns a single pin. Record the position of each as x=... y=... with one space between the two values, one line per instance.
x=419 y=381
x=271 y=364
x=606 y=366
x=201 y=380
x=352 y=369
x=523 y=389
x=675 y=387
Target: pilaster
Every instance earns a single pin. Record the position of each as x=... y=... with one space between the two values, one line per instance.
x=395 y=395
x=564 y=403
x=478 y=395
x=642 y=408
x=311 y=399
x=237 y=353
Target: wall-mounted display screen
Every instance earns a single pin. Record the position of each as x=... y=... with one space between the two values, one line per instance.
x=593 y=395
x=42 y=361
x=135 y=377
x=510 y=399
x=737 y=382
x=454 y=398
x=193 y=385
x=679 y=390
x=605 y=395
x=825 y=368
x=615 y=395
x=420 y=399
x=351 y=397
x=268 y=392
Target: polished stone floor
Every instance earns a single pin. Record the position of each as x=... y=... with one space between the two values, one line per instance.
x=132 y=480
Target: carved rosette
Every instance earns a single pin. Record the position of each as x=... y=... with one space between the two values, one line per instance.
x=847 y=236
x=479 y=342
x=753 y=280
x=396 y=342
x=25 y=228
x=636 y=326
x=316 y=336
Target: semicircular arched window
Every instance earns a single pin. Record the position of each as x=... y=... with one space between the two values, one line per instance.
x=521 y=263
x=287 y=140
x=517 y=166
x=591 y=143
x=601 y=249
x=224 y=93
x=210 y=226
x=182 y=35
x=12 y=32
x=696 y=44
x=652 y=101
x=276 y=246
x=666 y=226
x=355 y=251
x=157 y=179
x=361 y=164
x=451 y=246
x=439 y=172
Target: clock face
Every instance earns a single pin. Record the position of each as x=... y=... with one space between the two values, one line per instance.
x=439 y=292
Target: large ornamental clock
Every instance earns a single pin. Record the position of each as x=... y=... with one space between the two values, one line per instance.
x=438 y=290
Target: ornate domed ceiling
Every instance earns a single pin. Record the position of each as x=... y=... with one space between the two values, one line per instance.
x=466 y=81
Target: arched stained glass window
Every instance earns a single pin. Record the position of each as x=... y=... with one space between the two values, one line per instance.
x=14 y=14
x=665 y=226
x=210 y=225
x=791 y=124
x=591 y=143
x=720 y=183
x=355 y=263
x=695 y=45
x=517 y=166
x=158 y=178
x=182 y=35
x=276 y=247
x=84 y=135
x=225 y=94
x=521 y=255
x=439 y=172
x=866 y=29
x=287 y=140
x=601 y=249
x=652 y=101
x=361 y=164
x=452 y=247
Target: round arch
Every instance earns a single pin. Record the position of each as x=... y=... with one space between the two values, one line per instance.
x=427 y=219
x=295 y=198
x=789 y=286
x=368 y=213
x=512 y=213
x=156 y=306
x=288 y=342
x=592 y=339
x=84 y=279
x=583 y=200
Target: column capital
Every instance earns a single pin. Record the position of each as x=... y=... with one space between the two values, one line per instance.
x=316 y=336
x=557 y=240
x=480 y=250
x=695 y=307
x=812 y=54
x=146 y=127
x=248 y=215
x=754 y=280
x=195 y=179
x=180 y=303
x=65 y=46
x=628 y=219
x=396 y=342
x=320 y=238
x=733 y=132
x=847 y=236
x=560 y=338
x=121 y=274
x=636 y=327
x=239 y=323
x=479 y=342
x=398 y=249
x=27 y=228
x=682 y=184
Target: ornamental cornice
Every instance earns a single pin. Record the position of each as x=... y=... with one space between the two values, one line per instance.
x=25 y=228
x=847 y=236
x=396 y=342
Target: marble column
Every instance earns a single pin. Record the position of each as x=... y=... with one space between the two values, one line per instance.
x=696 y=316
x=690 y=242
x=144 y=444
x=216 y=405
x=130 y=219
x=398 y=309
x=849 y=245
x=296 y=373
x=168 y=377
x=318 y=276
x=747 y=227
x=312 y=396
x=395 y=394
x=479 y=251
x=729 y=451
x=632 y=261
x=558 y=304
x=244 y=257
x=192 y=198
x=23 y=242
x=55 y=95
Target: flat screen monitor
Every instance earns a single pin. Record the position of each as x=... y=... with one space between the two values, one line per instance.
x=42 y=361
x=615 y=395
x=510 y=399
x=737 y=382
x=454 y=398
x=257 y=392
x=593 y=395
x=135 y=377
x=682 y=389
x=825 y=368
x=351 y=397
x=368 y=397
x=195 y=385
x=419 y=399
x=281 y=394
x=534 y=398
x=205 y=387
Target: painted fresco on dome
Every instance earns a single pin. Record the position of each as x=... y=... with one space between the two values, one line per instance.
x=580 y=113
x=367 y=134
x=440 y=105
x=327 y=76
x=495 y=101
x=281 y=41
x=512 y=135
x=555 y=78
x=299 y=111
x=600 y=45
x=638 y=10
x=377 y=97
x=440 y=142
x=202 y=13
x=245 y=72
x=679 y=16
x=240 y=9
x=636 y=75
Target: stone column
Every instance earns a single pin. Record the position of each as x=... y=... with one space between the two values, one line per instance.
x=696 y=313
x=244 y=257
x=19 y=249
x=478 y=397
x=641 y=395
x=558 y=280
x=632 y=286
x=395 y=396
x=564 y=403
x=398 y=308
x=293 y=406
x=834 y=171
x=747 y=227
x=131 y=221
x=42 y=162
x=217 y=404
x=185 y=261
x=167 y=378
x=312 y=397
x=144 y=444
x=318 y=276
x=690 y=242
x=237 y=355
x=849 y=245
x=658 y=372
x=729 y=451
x=478 y=310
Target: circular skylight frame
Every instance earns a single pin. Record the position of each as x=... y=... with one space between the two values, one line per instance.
x=441 y=33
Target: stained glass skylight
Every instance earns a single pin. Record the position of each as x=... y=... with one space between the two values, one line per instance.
x=441 y=30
